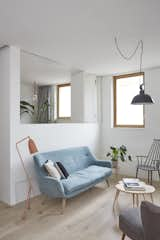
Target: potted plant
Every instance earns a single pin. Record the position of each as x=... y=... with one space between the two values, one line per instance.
x=26 y=107
x=117 y=153
x=43 y=112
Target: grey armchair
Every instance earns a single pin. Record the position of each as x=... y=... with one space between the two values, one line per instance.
x=141 y=223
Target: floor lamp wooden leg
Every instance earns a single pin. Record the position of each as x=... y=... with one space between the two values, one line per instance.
x=28 y=200
x=27 y=203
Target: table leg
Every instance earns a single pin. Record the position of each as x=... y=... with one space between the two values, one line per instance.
x=116 y=199
x=144 y=197
x=133 y=196
x=151 y=197
x=137 y=200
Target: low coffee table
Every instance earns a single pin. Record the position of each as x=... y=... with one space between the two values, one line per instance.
x=135 y=194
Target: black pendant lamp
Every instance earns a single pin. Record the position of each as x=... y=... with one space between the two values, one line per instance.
x=142 y=98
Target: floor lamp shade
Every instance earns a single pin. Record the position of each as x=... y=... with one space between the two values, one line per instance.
x=32 y=146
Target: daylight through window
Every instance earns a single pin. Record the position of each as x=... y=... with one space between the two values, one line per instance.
x=64 y=100
x=125 y=88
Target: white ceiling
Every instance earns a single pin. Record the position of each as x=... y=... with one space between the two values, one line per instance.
x=42 y=71
x=80 y=33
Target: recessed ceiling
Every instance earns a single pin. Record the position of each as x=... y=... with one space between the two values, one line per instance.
x=80 y=33
x=42 y=71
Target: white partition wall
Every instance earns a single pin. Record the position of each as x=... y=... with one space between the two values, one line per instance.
x=13 y=183
x=9 y=75
x=84 y=97
x=4 y=127
x=77 y=97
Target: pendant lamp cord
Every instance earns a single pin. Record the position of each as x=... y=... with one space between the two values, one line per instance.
x=129 y=57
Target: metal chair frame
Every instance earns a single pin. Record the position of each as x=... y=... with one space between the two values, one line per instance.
x=151 y=162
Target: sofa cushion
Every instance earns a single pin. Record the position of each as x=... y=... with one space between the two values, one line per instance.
x=130 y=223
x=59 y=170
x=64 y=171
x=51 y=170
x=85 y=177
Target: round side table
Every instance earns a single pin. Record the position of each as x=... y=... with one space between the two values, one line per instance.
x=135 y=194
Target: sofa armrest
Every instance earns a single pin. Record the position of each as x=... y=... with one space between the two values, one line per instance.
x=103 y=163
x=52 y=187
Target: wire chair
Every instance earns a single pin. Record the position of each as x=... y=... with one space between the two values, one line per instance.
x=151 y=162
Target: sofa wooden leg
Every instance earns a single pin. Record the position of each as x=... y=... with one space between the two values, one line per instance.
x=45 y=197
x=123 y=236
x=63 y=204
x=107 y=181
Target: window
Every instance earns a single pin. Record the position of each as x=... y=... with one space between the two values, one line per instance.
x=64 y=100
x=125 y=88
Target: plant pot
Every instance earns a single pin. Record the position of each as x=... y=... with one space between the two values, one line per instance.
x=114 y=163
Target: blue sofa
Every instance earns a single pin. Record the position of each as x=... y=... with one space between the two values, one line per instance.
x=83 y=168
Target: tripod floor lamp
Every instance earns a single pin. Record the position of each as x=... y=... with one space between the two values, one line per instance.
x=32 y=149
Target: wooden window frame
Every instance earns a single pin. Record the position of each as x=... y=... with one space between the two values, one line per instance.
x=58 y=87
x=115 y=78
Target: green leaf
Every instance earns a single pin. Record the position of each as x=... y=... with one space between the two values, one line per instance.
x=130 y=158
x=119 y=153
x=113 y=148
x=108 y=154
x=24 y=103
x=24 y=107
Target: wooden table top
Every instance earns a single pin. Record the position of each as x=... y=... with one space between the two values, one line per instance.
x=148 y=188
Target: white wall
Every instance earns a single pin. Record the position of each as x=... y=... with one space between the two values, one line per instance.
x=13 y=183
x=51 y=137
x=137 y=141
x=90 y=98
x=10 y=75
x=84 y=97
x=56 y=136
x=77 y=96
x=5 y=169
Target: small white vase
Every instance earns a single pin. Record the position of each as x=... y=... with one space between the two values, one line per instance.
x=114 y=164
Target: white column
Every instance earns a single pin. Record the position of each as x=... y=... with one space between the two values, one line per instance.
x=77 y=97
x=9 y=75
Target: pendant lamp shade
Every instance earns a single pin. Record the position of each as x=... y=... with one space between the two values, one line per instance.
x=142 y=98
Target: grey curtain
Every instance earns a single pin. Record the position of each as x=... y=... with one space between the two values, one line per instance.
x=44 y=104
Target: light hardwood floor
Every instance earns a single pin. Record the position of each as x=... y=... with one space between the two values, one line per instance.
x=88 y=216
